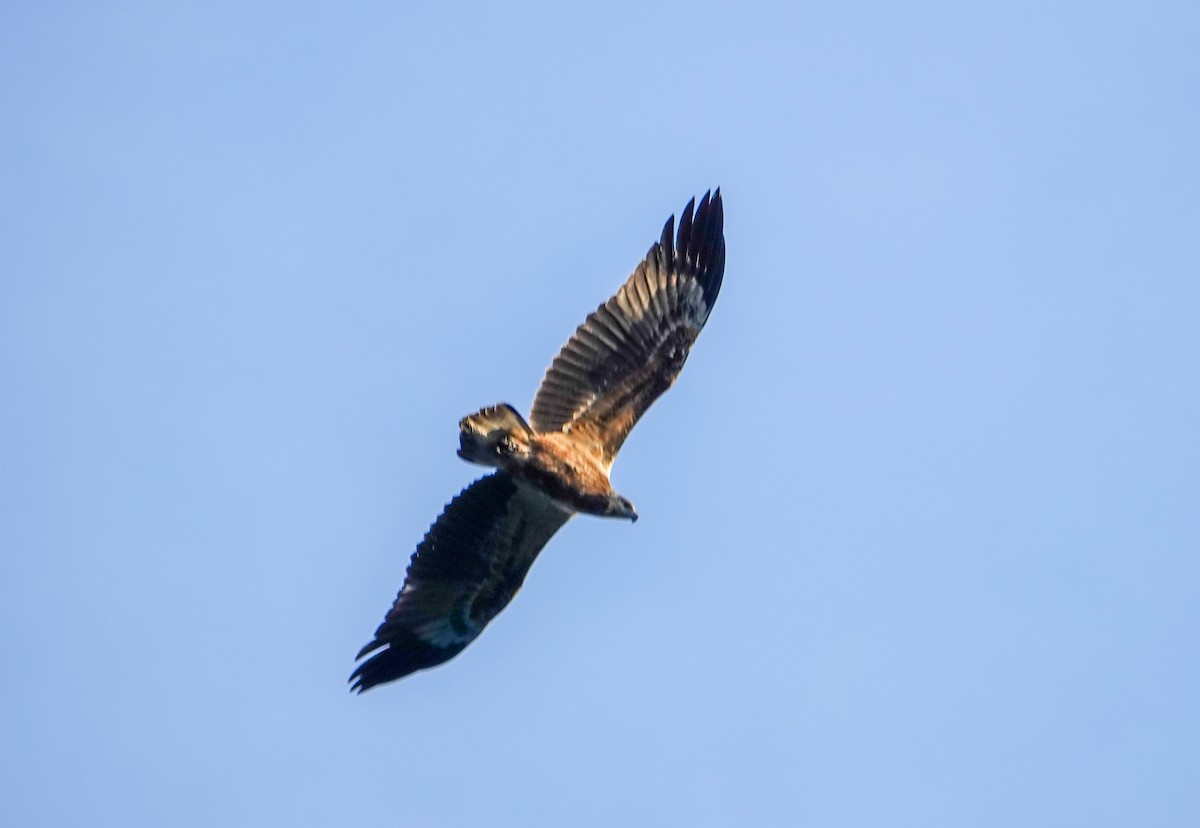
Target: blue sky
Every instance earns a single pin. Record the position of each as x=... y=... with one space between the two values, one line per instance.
x=919 y=523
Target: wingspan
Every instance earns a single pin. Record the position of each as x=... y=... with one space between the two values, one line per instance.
x=627 y=353
x=469 y=566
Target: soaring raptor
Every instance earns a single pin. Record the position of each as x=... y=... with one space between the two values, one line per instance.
x=620 y=360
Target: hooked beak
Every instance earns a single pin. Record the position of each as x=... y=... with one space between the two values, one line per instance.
x=628 y=511
x=623 y=508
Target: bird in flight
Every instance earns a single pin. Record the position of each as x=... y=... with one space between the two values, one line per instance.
x=620 y=360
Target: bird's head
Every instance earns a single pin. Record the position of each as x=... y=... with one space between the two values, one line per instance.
x=620 y=507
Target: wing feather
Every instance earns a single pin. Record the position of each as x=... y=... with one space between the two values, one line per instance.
x=629 y=351
x=465 y=571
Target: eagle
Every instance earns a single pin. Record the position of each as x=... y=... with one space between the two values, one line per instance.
x=620 y=360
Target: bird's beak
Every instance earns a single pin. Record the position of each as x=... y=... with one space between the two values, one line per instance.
x=620 y=507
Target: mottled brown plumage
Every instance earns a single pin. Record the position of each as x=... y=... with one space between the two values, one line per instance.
x=570 y=471
x=619 y=361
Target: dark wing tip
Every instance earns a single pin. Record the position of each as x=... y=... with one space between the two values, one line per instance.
x=700 y=245
x=405 y=653
x=666 y=243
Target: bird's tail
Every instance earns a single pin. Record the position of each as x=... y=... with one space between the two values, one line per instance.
x=491 y=434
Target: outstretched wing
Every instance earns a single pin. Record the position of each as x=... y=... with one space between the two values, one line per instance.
x=469 y=566
x=627 y=353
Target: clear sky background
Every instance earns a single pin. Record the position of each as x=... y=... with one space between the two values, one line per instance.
x=920 y=522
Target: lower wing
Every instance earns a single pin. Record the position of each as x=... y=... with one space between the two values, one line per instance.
x=469 y=566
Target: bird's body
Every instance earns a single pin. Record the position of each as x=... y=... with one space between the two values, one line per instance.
x=571 y=473
x=623 y=357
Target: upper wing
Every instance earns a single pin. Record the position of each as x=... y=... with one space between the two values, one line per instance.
x=469 y=566
x=631 y=349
